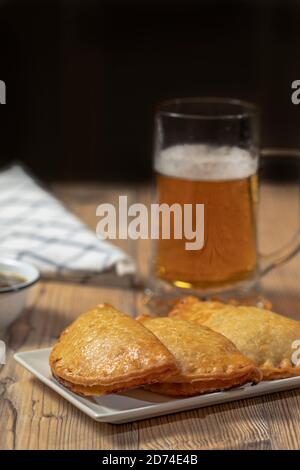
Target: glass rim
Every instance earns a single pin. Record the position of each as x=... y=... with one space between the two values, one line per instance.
x=247 y=109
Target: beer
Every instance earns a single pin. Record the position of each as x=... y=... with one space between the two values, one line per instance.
x=224 y=180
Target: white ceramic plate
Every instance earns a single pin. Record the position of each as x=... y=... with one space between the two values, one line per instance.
x=140 y=404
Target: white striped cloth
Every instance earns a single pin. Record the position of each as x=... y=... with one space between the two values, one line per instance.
x=35 y=227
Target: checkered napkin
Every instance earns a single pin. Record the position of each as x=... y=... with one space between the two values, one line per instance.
x=35 y=227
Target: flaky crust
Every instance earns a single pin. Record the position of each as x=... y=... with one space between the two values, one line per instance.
x=264 y=337
x=207 y=361
x=106 y=351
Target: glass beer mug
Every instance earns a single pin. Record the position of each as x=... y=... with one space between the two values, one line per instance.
x=206 y=152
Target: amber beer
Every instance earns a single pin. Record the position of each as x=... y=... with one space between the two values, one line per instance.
x=225 y=181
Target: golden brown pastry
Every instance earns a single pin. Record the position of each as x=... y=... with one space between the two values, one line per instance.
x=105 y=351
x=207 y=361
x=265 y=337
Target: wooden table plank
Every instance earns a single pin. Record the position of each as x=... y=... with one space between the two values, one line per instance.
x=233 y=425
x=34 y=417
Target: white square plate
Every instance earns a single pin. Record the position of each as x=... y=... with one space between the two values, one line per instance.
x=141 y=404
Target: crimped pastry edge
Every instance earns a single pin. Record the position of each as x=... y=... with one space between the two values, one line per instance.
x=139 y=377
x=99 y=390
x=186 y=389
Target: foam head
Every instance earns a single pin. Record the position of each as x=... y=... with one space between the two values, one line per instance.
x=206 y=163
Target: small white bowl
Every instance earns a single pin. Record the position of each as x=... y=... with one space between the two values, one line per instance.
x=13 y=299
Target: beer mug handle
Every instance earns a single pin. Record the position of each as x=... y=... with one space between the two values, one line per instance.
x=292 y=247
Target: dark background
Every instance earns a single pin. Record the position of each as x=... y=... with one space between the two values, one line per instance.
x=83 y=77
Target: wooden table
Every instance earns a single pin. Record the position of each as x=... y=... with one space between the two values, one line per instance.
x=34 y=417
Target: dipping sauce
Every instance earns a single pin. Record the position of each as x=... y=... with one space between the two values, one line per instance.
x=10 y=280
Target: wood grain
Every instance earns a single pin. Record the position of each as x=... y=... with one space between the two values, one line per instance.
x=34 y=417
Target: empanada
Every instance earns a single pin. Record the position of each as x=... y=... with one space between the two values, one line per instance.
x=207 y=361
x=106 y=351
x=267 y=338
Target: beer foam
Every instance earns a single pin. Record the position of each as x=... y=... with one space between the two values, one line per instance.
x=205 y=163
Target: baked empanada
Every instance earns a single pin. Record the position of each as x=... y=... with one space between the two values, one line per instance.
x=267 y=338
x=106 y=351
x=207 y=361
